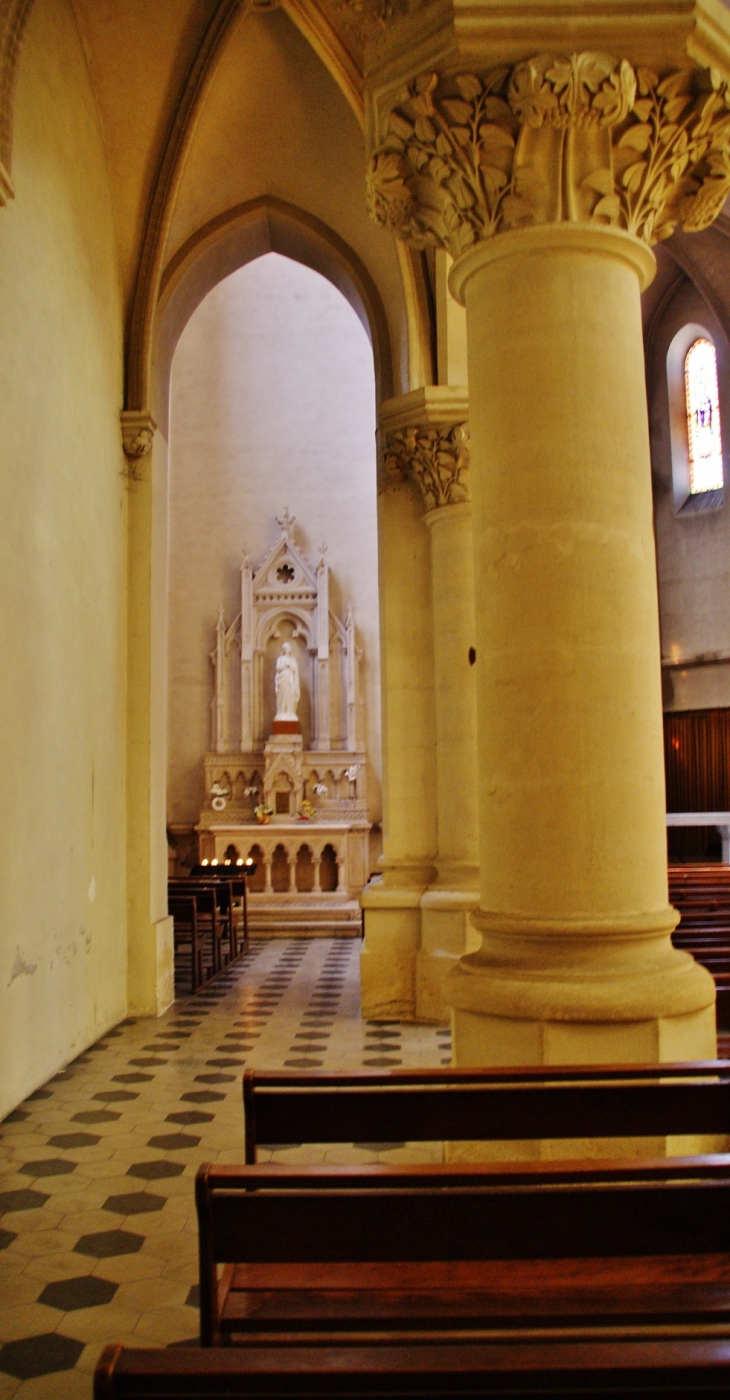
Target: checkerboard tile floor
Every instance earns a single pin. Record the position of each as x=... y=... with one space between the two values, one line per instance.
x=98 y=1232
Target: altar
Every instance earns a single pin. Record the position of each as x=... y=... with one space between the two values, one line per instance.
x=285 y=778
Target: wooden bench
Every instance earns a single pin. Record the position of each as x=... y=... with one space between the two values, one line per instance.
x=206 y=914
x=342 y=1254
x=701 y=893
x=632 y=1369
x=494 y=1105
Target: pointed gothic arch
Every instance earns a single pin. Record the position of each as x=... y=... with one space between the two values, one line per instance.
x=239 y=236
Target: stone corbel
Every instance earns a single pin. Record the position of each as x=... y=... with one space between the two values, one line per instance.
x=138 y=431
x=425 y=439
x=7 y=191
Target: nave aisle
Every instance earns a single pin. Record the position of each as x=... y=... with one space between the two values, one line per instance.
x=97 y=1219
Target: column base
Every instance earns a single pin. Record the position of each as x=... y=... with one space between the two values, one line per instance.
x=392 y=919
x=446 y=934
x=589 y=993
x=581 y=998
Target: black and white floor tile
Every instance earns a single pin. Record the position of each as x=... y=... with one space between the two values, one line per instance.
x=98 y=1233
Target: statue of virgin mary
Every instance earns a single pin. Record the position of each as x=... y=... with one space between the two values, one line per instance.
x=286 y=684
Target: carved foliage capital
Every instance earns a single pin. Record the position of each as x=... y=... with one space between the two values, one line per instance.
x=580 y=138
x=436 y=458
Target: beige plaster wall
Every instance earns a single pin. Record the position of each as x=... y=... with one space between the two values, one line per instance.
x=62 y=562
x=693 y=549
x=272 y=406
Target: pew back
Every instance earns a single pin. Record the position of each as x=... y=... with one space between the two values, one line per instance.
x=488 y=1105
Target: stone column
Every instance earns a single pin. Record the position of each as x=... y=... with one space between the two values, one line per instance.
x=150 y=968
x=427 y=441
x=548 y=181
x=391 y=901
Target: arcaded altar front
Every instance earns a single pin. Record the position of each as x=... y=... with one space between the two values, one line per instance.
x=285 y=780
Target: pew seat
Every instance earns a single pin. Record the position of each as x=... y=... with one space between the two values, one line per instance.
x=347 y=1253
x=633 y=1368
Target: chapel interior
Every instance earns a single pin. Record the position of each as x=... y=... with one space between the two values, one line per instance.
x=365 y=404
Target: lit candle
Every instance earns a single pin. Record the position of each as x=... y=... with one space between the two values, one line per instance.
x=205 y=862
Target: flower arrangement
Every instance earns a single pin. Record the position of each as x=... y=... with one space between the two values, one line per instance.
x=306 y=811
x=263 y=814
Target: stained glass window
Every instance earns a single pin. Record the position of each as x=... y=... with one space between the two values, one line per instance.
x=703 y=418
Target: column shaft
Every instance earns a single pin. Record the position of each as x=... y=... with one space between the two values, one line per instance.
x=576 y=962
x=447 y=905
x=391 y=901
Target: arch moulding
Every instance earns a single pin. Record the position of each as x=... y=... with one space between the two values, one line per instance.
x=14 y=16
x=239 y=236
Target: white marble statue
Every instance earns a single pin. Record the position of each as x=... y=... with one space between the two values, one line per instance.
x=286 y=684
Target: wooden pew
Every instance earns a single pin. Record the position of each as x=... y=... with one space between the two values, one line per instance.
x=701 y=893
x=343 y=1254
x=632 y=1369
x=499 y=1105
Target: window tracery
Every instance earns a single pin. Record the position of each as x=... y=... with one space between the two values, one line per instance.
x=703 y=417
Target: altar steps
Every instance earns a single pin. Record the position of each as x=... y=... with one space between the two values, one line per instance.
x=310 y=921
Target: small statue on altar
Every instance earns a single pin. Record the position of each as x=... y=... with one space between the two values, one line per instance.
x=286 y=684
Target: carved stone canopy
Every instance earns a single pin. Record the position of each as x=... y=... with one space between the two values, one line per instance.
x=576 y=138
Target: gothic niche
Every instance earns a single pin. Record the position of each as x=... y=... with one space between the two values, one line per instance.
x=285 y=779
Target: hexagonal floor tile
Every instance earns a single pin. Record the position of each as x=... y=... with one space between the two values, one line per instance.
x=146 y=1060
x=134 y=1203
x=201 y=1096
x=49 y=1166
x=155 y=1171
x=215 y=1078
x=191 y=1115
x=96 y=1115
x=132 y=1077
x=66 y=1140
x=173 y=1142
x=6 y=1238
x=193 y=1298
x=24 y=1199
x=69 y=1294
x=38 y=1356
x=107 y=1243
x=115 y=1095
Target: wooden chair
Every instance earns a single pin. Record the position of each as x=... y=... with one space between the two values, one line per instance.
x=343 y=1254
x=499 y=1105
x=211 y=921
x=188 y=937
x=614 y=1369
